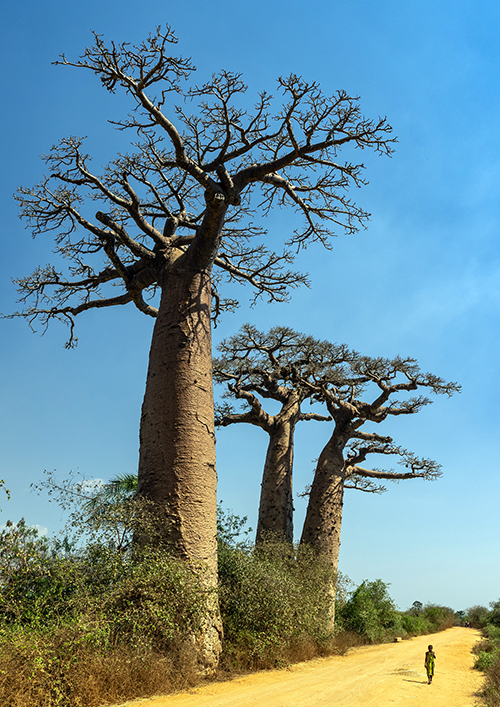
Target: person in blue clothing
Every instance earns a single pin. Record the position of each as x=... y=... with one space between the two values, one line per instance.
x=430 y=660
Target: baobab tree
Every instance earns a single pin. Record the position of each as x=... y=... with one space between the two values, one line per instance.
x=386 y=383
x=256 y=366
x=176 y=217
x=289 y=366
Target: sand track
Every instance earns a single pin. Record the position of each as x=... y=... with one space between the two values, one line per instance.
x=375 y=676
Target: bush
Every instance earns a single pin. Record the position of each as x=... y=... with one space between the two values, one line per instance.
x=431 y=618
x=62 y=667
x=488 y=650
x=485 y=660
x=371 y=613
x=274 y=605
x=492 y=633
x=478 y=616
x=488 y=660
x=82 y=624
x=79 y=627
x=415 y=625
x=494 y=614
x=438 y=618
x=34 y=578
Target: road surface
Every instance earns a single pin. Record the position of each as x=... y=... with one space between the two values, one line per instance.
x=375 y=676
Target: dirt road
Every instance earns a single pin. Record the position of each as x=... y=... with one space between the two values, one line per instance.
x=378 y=676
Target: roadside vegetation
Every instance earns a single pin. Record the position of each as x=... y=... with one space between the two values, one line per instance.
x=488 y=649
x=86 y=621
x=372 y=617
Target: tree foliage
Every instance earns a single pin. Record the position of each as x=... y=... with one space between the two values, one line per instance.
x=370 y=611
x=185 y=165
x=356 y=389
x=270 y=365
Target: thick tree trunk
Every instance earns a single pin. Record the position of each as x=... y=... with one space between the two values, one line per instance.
x=276 y=497
x=177 y=443
x=323 y=522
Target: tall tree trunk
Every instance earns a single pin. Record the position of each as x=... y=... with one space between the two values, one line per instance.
x=177 y=442
x=323 y=522
x=276 y=497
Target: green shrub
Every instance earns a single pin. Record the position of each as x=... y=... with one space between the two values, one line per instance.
x=438 y=618
x=38 y=577
x=274 y=604
x=371 y=613
x=82 y=624
x=156 y=600
x=492 y=632
x=488 y=660
x=478 y=616
x=485 y=660
x=494 y=614
x=414 y=625
x=85 y=625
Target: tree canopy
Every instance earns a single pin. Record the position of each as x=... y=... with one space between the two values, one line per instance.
x=197 y=147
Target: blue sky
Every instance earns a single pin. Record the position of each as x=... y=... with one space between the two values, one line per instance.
x=422 y=280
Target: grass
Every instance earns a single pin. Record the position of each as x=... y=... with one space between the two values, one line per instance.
x=61 y=668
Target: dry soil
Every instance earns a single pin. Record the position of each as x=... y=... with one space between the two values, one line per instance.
x=378 y=676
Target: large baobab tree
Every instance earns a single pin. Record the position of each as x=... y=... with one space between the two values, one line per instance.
x=175 y=217
x=374 y=390
x=257 y=366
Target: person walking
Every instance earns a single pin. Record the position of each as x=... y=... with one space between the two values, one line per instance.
x=430 y=660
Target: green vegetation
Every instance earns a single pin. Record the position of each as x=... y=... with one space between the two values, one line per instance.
x=82 y=626
x=273 y=605
x=372 y=615
x=85 y=621
x=477 y=616
x=488 y=650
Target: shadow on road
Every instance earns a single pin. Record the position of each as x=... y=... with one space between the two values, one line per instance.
x=419 y=682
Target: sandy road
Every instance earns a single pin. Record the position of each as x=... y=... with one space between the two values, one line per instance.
x=378 y=676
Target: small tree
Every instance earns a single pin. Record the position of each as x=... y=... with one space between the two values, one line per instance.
x=257 y=366
x=370 y=611
x=478 y=616
x=416 y=608
x=494 y=616
x=173 y=213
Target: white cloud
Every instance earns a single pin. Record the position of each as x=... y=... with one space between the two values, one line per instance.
x=42 y=530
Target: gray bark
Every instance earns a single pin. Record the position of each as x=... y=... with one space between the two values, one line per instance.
x=177 y=470
x=276 y=498
x=323 y=522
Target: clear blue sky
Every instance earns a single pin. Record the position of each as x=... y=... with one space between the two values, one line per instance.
x=422 y=280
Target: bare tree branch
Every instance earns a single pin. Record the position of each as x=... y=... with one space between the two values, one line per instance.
x=190 y=183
